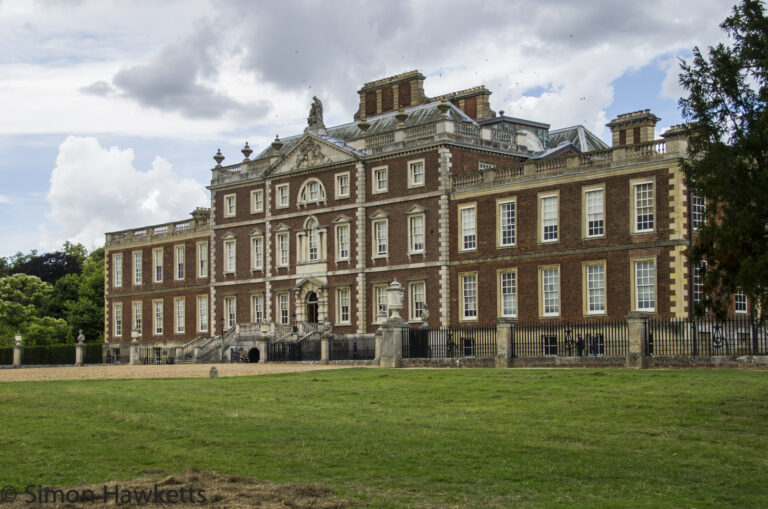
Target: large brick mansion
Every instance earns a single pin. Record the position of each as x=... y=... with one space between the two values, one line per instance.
x=477 y=215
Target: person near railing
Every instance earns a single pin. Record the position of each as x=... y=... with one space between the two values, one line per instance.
x=579 y=345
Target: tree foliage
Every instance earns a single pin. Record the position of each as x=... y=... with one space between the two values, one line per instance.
x=728 y=165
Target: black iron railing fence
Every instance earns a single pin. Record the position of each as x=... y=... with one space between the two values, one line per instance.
x=450 y=343
x=287 y=351
x=359 y=348
x=570 y=339
x=706 y=336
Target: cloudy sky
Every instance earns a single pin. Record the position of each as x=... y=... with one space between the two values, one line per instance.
x=110 y=112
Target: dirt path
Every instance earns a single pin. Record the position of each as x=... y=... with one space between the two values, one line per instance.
x=161 y=371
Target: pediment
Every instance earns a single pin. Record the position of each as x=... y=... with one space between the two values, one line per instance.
x=312 y=151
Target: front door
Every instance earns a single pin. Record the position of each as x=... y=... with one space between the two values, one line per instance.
x=312 y=307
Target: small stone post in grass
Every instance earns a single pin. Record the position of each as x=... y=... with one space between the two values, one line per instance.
x=505 y=329
x=80 y=349
x=325 y=342
x=135 y=354
x=18 y=350
x=637 y=330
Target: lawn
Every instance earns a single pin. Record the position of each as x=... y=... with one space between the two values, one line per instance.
x=524 y=438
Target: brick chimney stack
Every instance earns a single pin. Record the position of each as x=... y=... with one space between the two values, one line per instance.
x=631 y=128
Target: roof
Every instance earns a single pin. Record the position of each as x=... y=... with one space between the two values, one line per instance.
x=581 y=137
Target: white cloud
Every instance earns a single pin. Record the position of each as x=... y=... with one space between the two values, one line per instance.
x=4 y=199
x=95 y=190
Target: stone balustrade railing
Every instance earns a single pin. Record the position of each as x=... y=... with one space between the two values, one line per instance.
x=200 y=224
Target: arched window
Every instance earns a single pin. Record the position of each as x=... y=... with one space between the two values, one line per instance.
x=312 y=240
x=312 y=191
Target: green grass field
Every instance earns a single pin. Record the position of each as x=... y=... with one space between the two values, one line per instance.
x=524 y=438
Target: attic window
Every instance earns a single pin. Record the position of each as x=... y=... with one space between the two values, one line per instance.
x=312 y=191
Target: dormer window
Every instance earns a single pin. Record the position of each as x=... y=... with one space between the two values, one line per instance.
x=312 y=191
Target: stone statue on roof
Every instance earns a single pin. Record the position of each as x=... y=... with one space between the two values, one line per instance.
x=315 y=119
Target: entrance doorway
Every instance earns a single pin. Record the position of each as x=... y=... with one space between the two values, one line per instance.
x=312 y=307
x=254 y=355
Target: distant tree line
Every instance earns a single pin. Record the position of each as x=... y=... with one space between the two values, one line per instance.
x=50 y=297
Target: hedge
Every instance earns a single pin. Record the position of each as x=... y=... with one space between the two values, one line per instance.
x=6 y=355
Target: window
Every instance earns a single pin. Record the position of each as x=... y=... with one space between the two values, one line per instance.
x=137 y=312
x=508 y=293
x=179 y=315
x=202 y=313
x=180 y=254
x=312 y=191
x=485 y=166
x=342 y=241
x=698 y=282
x=230 y=309
x=158 y=316
x=550 y=291
x=416 y=173
x=202 y=259
x=417 y=299
x=380 y=183
x=117 y=260
x=468 y=285
x=548 y=215
x=342 y=306
x=229 y=256
x=342 y=185
x=257 y=252
x=283 y=309
x=380 y=238
x=282 y=248
x=698 y=210
x=380 y=303
x=594 y=212
x=506 y=222
x=137 y=269
x=282 y=196
x=643 y=203
x=468 y=228
x=594 y=287
x=157 y=259
x=740 y=302
x=645 y=285
x=416 y=234
x=229 y=205
x=118 y=312
x=257 y=201
x=257 y=308
x=313 y=241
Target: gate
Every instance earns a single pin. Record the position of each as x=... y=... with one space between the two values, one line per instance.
x=293 y=351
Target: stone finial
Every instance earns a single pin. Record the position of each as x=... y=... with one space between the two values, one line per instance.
x=218 y=158
x=277 y=144
x=247 y=152
x=401 y=116
x=363 y=125
x=395 y=293
x=81 y=337
x=17 y=338
x=443 y=107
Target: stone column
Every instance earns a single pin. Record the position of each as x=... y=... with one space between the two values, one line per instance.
x=135 y=354
x=391 y=343
x=179 y=354
x=18 y=350
x=505 y=329
x=325 y=345
x=637 y=325
x=80 y=350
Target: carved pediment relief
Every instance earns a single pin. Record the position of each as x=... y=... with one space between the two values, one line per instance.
x=311 y=152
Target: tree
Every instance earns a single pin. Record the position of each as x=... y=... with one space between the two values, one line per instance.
x=728 y=164
x=22 y=301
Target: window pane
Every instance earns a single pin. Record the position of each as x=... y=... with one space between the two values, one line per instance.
x=417 y=233
x=595 y=213
x=596 y=288
x=509 y=294
x=469 y=293
x=644 y=286
x=551 y=288
x=549 y=218
x=644 y=207
x=507 y=216
x=468 y=231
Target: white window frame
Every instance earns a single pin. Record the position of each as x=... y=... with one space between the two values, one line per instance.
x=636 y=209
x=485 y=166
x=257 y=252
x=157 y=317
x=230 y=205
x=283 y=244
x=138 y=270
x=312 y=253
x=117 y=314
x=545 y=220
x=698 y=210
x=468 y=308
x=305 y=190
x=230 y=312
x=412 y=180
x=179 y=315
x=593 y=214
x=379 y=300
x=282 y=201
x=413 y=247
x=339 y=192
x=137 y=318
x=343 y=300
x=202 y=313
x=376 y=182
x=229 y=250
x=257 y=201
x=378 y=242
x=202 y=259
x=257 y=307
x=507 y=291
x=740 y=303
x=283 y=308
x=595 y=288
x=117 y=270
x=340 y=256
x=416 y=289
x=180 y=266
x=157 y=276
x=636 y=287
x=502 y=222
x=549 y=291
x=467 y=233
x=698 y=282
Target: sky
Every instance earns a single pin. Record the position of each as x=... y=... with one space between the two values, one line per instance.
x=111 y=111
